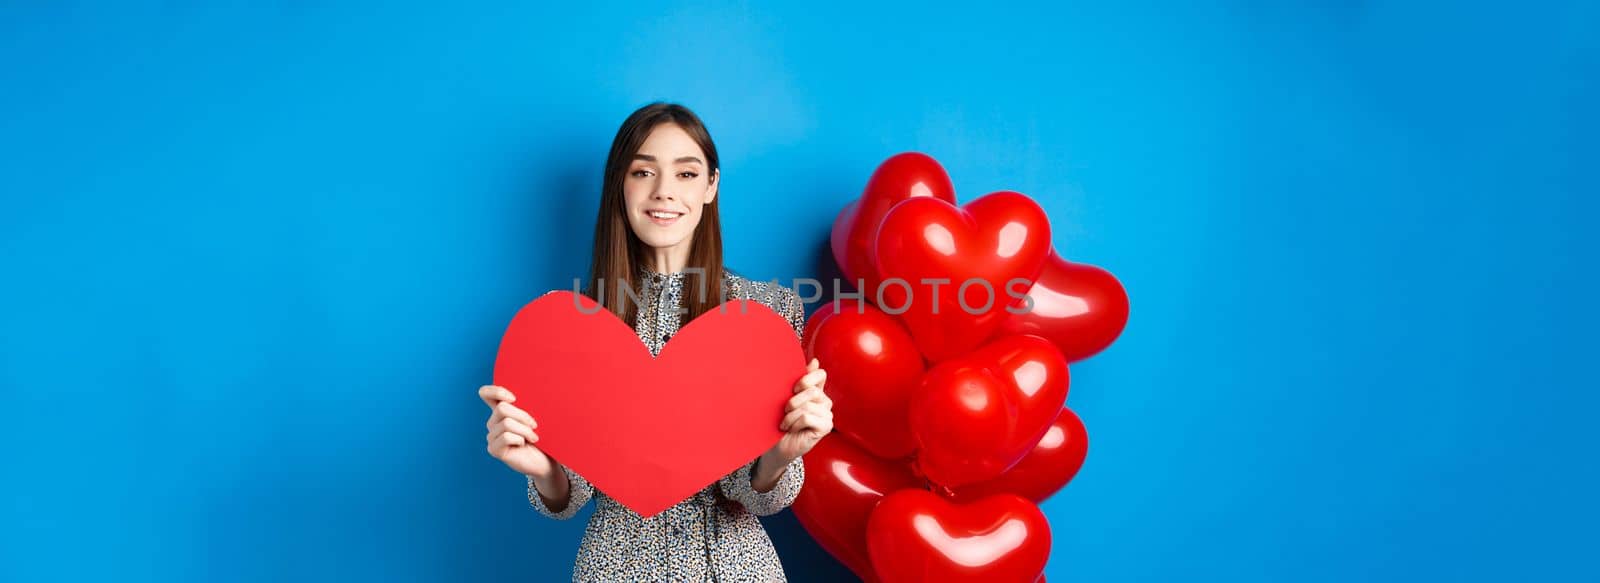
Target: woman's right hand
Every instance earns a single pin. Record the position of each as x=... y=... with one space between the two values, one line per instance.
x=511 y=435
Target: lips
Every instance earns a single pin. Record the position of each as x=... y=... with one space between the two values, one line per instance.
x=663 y=216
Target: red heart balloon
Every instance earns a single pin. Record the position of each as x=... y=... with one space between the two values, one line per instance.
x=975 y=416
x=809 y=332
x=981 y=250
x=1043 y=471
x=650 y=432
x=1038 y=374
x=901 y=177
x=915 y=535
x=963 y=420
x=873 y=367
x=843 y=485
x=1079 y=307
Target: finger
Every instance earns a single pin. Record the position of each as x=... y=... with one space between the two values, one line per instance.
x=493 y=394
x=511 y=439
x=815 y=422
x=794 y=402
x=802 y=421
x=810 y=380
x=499 y=415
x=790 y=419
x=802 y=398
x=519 y=428
x=494 y=435
x=814 y=413
x=823 y=427
x=512 y=412
x=805 y=379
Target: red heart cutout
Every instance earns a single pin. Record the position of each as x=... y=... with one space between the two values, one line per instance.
x=843 y=485
x=1079 y=307
x=915 y=535
x=1044 y=470
x=995 y=240
x=873 y=367
x=975 y=416
x=650 y=432
x=903 y=176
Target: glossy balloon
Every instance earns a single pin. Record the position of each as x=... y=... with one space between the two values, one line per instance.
x=1079 y=307
x=1045 y=470
x=809 y=332
x=873 y=368
x=1037 y=375
x=995 y=240
x=964 y=422
x=914 y=535
x=903 y=176
x=843 y=485
x=975 y=416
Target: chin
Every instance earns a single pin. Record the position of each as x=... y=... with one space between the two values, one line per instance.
x=658 y=236
x=655 y=238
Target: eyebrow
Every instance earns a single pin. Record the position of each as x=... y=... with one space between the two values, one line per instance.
x=649 y=158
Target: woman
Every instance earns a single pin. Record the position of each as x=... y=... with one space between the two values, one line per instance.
x=658 y=233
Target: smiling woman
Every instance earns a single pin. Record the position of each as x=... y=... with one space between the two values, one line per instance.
x=658 y=208
x=658 y=244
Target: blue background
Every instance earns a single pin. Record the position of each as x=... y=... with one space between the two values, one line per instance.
x=258 y=256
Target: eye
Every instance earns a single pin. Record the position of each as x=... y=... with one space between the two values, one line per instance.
x=688 y=175
x=640 y=173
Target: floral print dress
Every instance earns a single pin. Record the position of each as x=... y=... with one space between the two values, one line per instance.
x=713 y=535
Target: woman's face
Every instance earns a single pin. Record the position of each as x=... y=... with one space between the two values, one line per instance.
x=666 y=189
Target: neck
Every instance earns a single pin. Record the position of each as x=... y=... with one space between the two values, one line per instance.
x=670 y=259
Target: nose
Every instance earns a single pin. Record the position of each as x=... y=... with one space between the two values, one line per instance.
x=663 y=192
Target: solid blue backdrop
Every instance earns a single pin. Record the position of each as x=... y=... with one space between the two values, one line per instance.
x=258 y=256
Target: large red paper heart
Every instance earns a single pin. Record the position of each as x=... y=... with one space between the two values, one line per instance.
x=903 y=176
x=975 y=416
x=873 y=366
x=914 y=535
x=1045 y=470
x=843 y=485
x=650 y=432
x=1079 y=307
x=982 y=250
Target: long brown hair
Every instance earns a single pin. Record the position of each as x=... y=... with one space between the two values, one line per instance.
x=618 y=252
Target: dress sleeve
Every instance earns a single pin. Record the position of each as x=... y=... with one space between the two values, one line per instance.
x=736 y=486
x=579 y=492
x=793 y=310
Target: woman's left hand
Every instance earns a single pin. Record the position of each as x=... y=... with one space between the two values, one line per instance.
x=808 y=416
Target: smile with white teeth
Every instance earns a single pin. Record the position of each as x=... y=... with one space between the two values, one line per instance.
x=664 y=214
